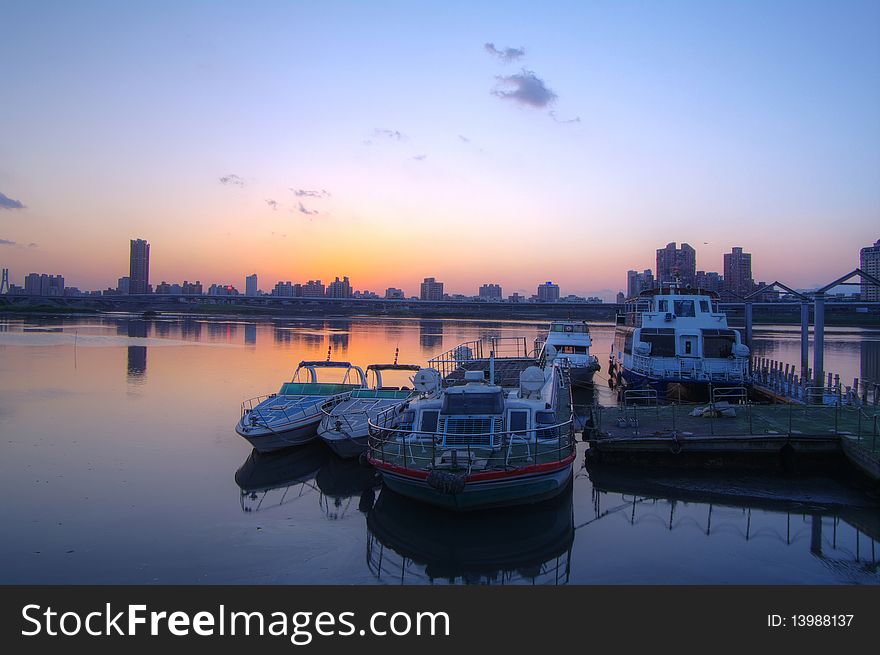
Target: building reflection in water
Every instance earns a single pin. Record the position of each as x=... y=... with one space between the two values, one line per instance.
x=191 y=329
x=339 y=331
x=412 y=543
x=869 y=354
x=137 y=355
x=430 y=337
x=250 y=334
x=757 y=508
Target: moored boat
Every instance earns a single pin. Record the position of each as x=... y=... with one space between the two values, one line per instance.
x=344 y=419
x=674 y=342
x=570 y=341
x=291 y=416
x=476 y=442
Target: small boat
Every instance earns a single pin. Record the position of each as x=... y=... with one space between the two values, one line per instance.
x=673 y=342
x=570 y=341
x=344 y=426
x=291 y=416
x=480 y=443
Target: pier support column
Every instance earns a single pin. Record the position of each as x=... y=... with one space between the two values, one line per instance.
x=819 y=342
x=748 y=335
x=805 y=339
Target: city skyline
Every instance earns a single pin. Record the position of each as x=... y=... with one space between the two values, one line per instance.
x=372 y=138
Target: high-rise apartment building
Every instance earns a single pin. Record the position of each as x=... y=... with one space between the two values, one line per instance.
x=431 y=290
x=339 y=288
x=637 y=282
x=869 y=262
x=250 y=285
x=490 y=292
x=548 y=292
x=709 y=281
x=677 y=264
x=738 y=272
x=313 y=289
x=139 y=267
x=41 y=284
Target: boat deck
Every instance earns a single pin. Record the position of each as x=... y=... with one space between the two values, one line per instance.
x=507 y=370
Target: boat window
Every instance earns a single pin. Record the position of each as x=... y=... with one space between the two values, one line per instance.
x=662 y=306
x=684 y=308
x=518 y=421
x=545 y=418
x=662 y=345
x=429 y=420
x=472 y=403
x=704 y=306
x=407 y=418
x=628 y=343
x=572 y=350
x=718 y=346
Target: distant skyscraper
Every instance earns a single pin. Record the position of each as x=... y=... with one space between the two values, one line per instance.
x=637 y=282
x=250 y=285
x=709 y=281
x=122 y=285
x=139 y=267
x=4 y=282
x=312 y=289
x=431 y=290
x=490 y=292
x=339 y=288
x=393 y=293
x=676 y=264
x=41 y=284
x=869 y=262
x=620 y=297
x=548 y=292
x=738 y=272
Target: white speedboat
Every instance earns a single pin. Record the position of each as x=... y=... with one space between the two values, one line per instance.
x=570 y=341
x=291 y=416
x=674 y=341
x=484 y=443
x=344 y=425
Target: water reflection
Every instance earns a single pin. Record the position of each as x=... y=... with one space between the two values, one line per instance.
x=137 y=355
x=412 y=543
x=829 y=518
x=269 y=480
x=339 y=333
x=430 y=336
x=346 y=485
x=250 y=334
x=869 y=355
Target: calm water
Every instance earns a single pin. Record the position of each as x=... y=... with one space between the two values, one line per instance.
x=120 y=464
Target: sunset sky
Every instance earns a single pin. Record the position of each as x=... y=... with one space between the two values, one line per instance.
x=473 y=142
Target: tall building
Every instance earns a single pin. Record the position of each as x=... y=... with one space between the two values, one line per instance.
x=620 y=297
x=548 y=292
x=41 y=284
x=637 y=282
x=122 y=285
x=677 y=264
x=709 y=281
x=738 y=272
x=250 y=285
x=869 y=262
x=393 y=293
x=490 y=292
x=139 y=267
x=431 y=290
x=191 y=288
x=313 y=289
x=339 y=288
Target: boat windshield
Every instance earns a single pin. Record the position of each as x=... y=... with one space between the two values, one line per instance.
x=472 y=403
x=684 y=308
x=562 y=327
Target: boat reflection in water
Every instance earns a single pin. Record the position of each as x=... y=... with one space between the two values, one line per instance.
x=346 y=482
x=272 y=479
x=409 y=542
x=836 y=521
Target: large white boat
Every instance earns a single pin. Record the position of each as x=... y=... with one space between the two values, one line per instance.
x=570 y=341
x=291 y=416
x=675 y=341
x=344 y=426
x=498 y=431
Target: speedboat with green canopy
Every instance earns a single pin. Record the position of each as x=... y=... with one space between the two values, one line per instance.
x=291 y=416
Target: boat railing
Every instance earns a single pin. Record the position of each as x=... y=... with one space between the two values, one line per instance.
x=509 y=450
x=692 y=368
x=290 y=415
x=249 y=404
x=347 y=418
x=480 y=350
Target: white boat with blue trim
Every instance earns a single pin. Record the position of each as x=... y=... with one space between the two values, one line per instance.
x=291 y=416
x=570 y=341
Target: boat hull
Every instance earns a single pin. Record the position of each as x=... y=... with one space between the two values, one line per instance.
x=266 y=441
x=343 y=445
x=540 y=483
x=672 y=389
x=581 y=376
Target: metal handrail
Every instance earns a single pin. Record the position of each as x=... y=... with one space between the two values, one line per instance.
x=300 y=413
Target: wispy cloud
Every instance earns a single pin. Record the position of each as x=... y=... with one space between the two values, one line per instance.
x=16 y=244
x=8 y=203
x=311 y=193
x=420 y=157
x=576 y=119
x=305 y=210
x=524 y=88
x=506 y=55
x=464 y=139
x=233 y=180
x=7 y=242
x=272 y=203
x=384 y=134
